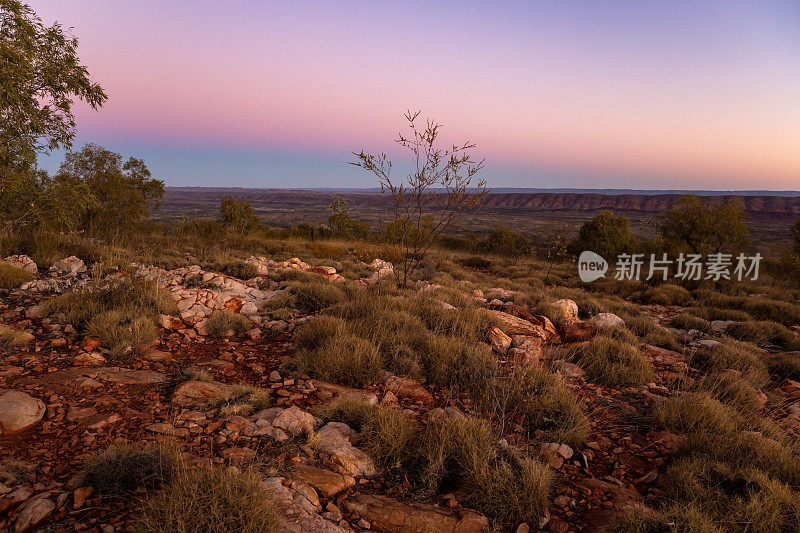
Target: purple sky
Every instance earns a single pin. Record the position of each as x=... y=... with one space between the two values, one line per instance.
x=647 y=95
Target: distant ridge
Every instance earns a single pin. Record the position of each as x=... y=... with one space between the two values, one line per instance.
x=530 y=190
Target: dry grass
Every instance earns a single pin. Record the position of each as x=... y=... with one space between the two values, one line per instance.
x=764 y=332
x=733 y=355
x=213 y=501
x=689 y=322
x=614 y=363
x=242 y=400
x=13 y=338
x=388 y=436
x=667 y=294
x=785 y=366
x=223 y=324
x=731 y=389
x=653 y=333
x=12 y=472
x=12 y=277
x=346 y=359
x=122 y=469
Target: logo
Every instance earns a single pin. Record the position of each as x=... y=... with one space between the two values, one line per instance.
x=591 y=266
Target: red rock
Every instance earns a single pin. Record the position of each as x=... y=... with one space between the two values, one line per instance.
x=574 y=330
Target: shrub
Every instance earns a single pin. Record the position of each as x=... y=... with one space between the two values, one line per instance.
x=696 y=412
x=316 y=296
x=216 y=501
x=667 y=294
x=122 y=330
x=224 y=324
x=688 y=322
x=345 y=359
x=476 y=261
x=613 y=363
x=12 y=472
x=239 y=269
x=318 y=331
x=388 y=435
x=653 y=333
x=605 y=234
x=764 y=332
x=10 y=337
x=735 y=356
x=492 y=479
x=242 y=400
x=730 y=389
x=122 y=469
x=785 y=366
x=352 y=411
x=12 y=277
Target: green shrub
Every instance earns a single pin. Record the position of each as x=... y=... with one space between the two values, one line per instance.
x=613 y=363
x=12 y=277
x=316 y=296
x=214 y=501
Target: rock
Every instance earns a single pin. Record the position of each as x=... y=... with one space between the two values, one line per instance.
x=238 y=456
x=569 y=309
x=387 y=514
x=574 y=330
x=253 y=334
x=294 y=421
x=33 y=513
x=157 y=356
x=80 y=495
x=293 y=516
x=326 y=482
x=404 y=387
x=19 y=411
x=333 y=440
x=168 y=429
x=89 y=359
x=24 y=262
x=71 y=266
x=368 y=397
x=525 y=350
x=606 y=320
x=512 y=325
x=197 y=393
x=169 y=322
x=499 y=341
x=566 y=369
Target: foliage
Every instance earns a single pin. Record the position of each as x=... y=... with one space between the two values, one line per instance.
x=504 y=241
x=237 y=215
x=97 y=192
x=224 y=324
x=605 y=234
x=122 y=469
x=342 y=225
x=694 y=225
x=613 y=362
x=439 y=188
x=40 y=74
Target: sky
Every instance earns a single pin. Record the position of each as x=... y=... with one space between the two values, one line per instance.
x=614 y=94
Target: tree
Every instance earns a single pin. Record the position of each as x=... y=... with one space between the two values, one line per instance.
x=695 y=226
x=795 y=234
x=605 y=234
x=502 y=240
x=439 y=188
x=101 y=192
x=40 y=74
x=340 y=222
x=237 y=214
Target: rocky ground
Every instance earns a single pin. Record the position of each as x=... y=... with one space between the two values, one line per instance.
x=62 y=399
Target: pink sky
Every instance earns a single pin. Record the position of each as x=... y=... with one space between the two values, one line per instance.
x=555 y=94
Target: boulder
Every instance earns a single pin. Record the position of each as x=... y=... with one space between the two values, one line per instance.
x=326 y=482
x=197 y=393
x=512 y=325
x=19 y=411
x=327 y=390
x=33 y=513
x=294 y=421
x=499 y=341
x=606 y=320
x=404 y=387
x=569 y=309
x=574 y=330
x=388 y=514
x=71 y=267
x=24 y=262
x=294 y=515
x=334 y=440
x=525 y=350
